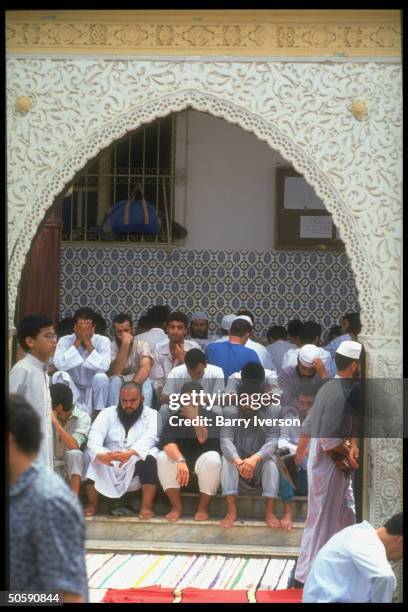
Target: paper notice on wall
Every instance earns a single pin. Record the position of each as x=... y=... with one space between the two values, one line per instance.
x=299 y=195
x=316 y=226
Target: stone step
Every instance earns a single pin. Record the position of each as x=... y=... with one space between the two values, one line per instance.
x=140 y=546
x=249 y=506
x=188 y=531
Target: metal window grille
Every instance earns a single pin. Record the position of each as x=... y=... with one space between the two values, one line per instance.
x=146 y=158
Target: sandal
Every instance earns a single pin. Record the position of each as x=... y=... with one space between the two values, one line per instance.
x=122 y=511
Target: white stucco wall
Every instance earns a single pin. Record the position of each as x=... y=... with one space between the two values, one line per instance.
x=225 y=191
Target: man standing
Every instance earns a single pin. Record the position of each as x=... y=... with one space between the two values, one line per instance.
x=155 y=322
x=71 y=428
x=46 y=526
x=329 y=423
x=353 y=567
x=131 y=360
x=171 y=352
x=279 y=345
x=29 y=378
x=199 y=329
x=81 y=359
x=232 y=355
x=310 y=333
x=260 y=350
x=122 y=444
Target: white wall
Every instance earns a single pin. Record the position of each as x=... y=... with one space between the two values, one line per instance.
x=225 y=191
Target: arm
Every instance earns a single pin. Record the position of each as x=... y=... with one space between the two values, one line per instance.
x=18 y=381
x=66 y=438
x=144 y=370
x=99 y=359
x=67 y=355
x=120 y=358
x=150 y=437
x=97 y=435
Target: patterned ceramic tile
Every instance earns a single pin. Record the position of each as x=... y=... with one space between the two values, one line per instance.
x=276 y=285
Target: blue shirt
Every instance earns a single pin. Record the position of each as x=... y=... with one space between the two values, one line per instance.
x=230 y=357
x=47 y=534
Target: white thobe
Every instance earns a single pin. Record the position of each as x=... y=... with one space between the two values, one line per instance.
x=290 y=358
x=29 y=378
x=351 y=568
x=81 y=366
x=262 y=352
x=211 y=382
x=108 y=434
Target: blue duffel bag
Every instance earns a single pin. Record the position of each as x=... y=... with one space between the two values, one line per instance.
x=131 y=217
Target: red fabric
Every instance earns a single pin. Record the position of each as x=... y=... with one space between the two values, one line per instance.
x=142 y=595
x=192 y=595
x=283 y=596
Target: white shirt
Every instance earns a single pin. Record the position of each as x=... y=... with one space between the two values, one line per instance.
x=162 y=361
x=290 y=358
x=352 y=567
x=263 y=354
x=211 y=382
x=138 y=349
x=29 y=378
x=153 y=336
x=277 y=351
x=82 y=365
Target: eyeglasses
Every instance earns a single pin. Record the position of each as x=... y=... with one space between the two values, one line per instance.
x=50 y=336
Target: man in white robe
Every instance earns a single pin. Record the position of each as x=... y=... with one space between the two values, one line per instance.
x=330 y=494
x=353 y=567
x=122 y=448
x=81 y=360
x=310 y=333
x=29 y=378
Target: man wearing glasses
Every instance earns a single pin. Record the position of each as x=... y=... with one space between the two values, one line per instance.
x=29 y=378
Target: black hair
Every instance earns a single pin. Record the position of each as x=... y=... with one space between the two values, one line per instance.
x=354 y=323
x=178 y=316
x=157 y=315
x=342 y=362
x=240 y=327
x=394 y=525
x=61 y=394
x=85 y=313
x=276 y=332
x=193 y=357
x=334 y=332
x=244 y=311
x=122 y=318
x=294 y=328
x=65 y=327
x=253 y=371
x=308 y=387
x=191 y=385
x=100 y=324
x=309 y=331
x=24 y=424
x=30 y=327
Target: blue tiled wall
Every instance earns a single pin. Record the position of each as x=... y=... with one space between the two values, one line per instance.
x=275 y=285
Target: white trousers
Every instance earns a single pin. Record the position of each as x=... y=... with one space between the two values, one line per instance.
x=207 y=468
x=89 y=398
x=71 y=464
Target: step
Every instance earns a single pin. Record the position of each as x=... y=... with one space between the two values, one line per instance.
x=248 y=506
x=140 y=546
x=186 y=530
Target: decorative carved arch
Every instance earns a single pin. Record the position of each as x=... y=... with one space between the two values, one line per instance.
x=247 y=120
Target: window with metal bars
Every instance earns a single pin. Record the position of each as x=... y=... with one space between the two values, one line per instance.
x=144 y=158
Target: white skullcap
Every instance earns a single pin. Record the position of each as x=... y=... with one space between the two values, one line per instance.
x=199 y=316
x=246 y=318
x=349 y=348
x=227 y=321
x=307 y=354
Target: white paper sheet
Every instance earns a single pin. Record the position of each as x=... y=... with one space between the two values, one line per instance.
x=299 y=195
x=316 y=226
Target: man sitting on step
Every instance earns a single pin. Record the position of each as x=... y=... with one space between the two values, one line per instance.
x=248 y=449
x=189 y=443
x=122 y=445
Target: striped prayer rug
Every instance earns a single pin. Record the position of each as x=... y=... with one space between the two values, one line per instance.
x=124 y=571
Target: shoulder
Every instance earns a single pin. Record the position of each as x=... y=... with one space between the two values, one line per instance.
x=102 y=340
x=177 y=371
x=161 y=345
x=149 y=413
x=213 y=370
x=67 y=340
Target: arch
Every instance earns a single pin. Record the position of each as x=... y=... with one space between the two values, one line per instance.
x=235 y=114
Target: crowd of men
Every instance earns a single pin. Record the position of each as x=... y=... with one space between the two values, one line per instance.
x=169 y=405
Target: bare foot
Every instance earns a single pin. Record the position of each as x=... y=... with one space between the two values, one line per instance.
x=145 y=514
x=174 y=515
x=90 y=511
x=286 y=521
x=201 y=515
x=272 y=520
x=228 y=520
